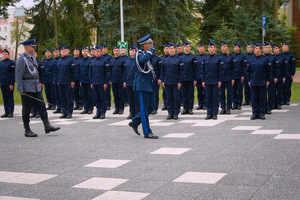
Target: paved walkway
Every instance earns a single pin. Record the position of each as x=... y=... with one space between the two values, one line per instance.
x=229 y=158
x=297 y=77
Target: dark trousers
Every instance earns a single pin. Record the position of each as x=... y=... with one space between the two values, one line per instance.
x=126 y=100
x=201 y=93
x=156 y=93
x=50 y=94
x=149 y=105
x=100 y=99
x=237 y=93
x=278 y=93
x=247 y=91
x=27 y=103
x=108 y=96
x=66 y=94
x=188 y=94
x=133 y=98
x=228 y=87
x=212 y=99
x=287 y=86
x=164 y=96
x=271 y=96
x=173 y=99
x=57 y=98
x=118 y=95
x=87 y=96
x=259 y=100
x=78 y=94
x=8 y=99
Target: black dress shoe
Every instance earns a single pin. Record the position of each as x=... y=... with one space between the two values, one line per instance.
x=107 y=108
x=253 y=117
x=279 y=107
x=97 y=116
x=63 y=116
x=37 y=116
x=215 y=117
x=170 y=117
x=262 y=117
x=246 y=103
x=284 y=103
x=223 y=112
x=29 y=133
x=204 y=108
x=10 y=115
x=84 y=112
x=134 y=127
x=56 y=111
x=48 y=108
x=102 y=116
x=234 y=107
x=164 y=108
x=239 y=107
x=121 y=112
x=287 y=103
x=69 y=116
x=184 y=112
x=269 y=112
x=175 y=117
x=80 y=108
x=32 y=115
x=208 y=117
x=154 y=112
x=130 y=116
x=4 y=115
x=53 y=108
x=90 y=112
x=115 y=112
x=75 y=107
x=190 y=111
x=228 y=112
x=151 y=136
x=48 y=127
x=199 y=107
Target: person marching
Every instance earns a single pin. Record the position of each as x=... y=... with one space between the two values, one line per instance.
x=247 y=92
x=239 y=76
x=99 y=76
x=212 y=76
x=259 y=76
x=171 y=81
x=7 y=82
x=56 y=90
x=77 y=87
x=128 y=84
x=108 y=94
x=85 y=82
x=27 y=79
x=143 y=84
x=199 y=77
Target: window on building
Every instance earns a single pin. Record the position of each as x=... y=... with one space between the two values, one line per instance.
x=10 y=23
x=5 y=37
x=6 y=46
x=0 y=45
x=0 y=29
x=5 y=29
x=5 y=19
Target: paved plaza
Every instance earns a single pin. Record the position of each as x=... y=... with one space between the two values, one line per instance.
x=229 y=158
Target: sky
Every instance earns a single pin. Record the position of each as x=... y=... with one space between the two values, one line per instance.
x=26 y=3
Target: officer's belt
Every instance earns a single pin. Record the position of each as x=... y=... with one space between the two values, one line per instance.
x=30 y=78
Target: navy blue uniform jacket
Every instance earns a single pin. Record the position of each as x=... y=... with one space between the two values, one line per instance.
x=212 y=69
x=129 y=71
x=66 y=70
x=259 y=71
x=99 y=71
x=85 y=66
x=200 y=61
x=7 y=72
x=49 y=65
x=173 y=67
x=117 y=66
x=190 y=66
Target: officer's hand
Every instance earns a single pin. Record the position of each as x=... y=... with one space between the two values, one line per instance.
x=11 y=87
x=124 y=85
x=283 y=80
x=109 y=82
x=41 y=85
x=152 y=50
x=80 y=85
x=268 y=83
x=195 y=83
x=57 y=83
x=158 y=82
x=104 y=87
x=219 y=84
x=72 y=84
x=275 y=80
x=292 y=77
x=92 y=86
x=203 y=84
x=53 y=83
x=232 y=82
x=163 y=84
x=179 y=86
x=242 y=79
x=249 y=84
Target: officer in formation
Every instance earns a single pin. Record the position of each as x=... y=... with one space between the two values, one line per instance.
x=27 y=80
x=247 y=92
x=49 y=64
x=172 y=75
x=77 y=88
x=166 y=52
x=56 y=55
x=199 y=77
x=7 y=82
x=108 y=90
x=123 y=52
x=156 y=62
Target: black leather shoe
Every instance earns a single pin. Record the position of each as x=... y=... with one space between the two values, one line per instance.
x=130 y=116
x=52 y=108
x=287 y=103
x=97 y=116
x=4 y=115
x=10 y=115
x=37 y=116
x=154 y=112
x=246 y=103
x=80 y=108
x=121 y=112
x=175 y=117
x=63 y=116
x=253 y=117
x=48 y=108
x=69 y=116
x=115 y=112
x=184 y=112
x=164 y=108
x=75 y=107
x=208 y=117
x=234 y=107
x=199 y=107
x=151 y=136
x=32 y=115
x=228 y=112
x=262 y=117
x=134 y=127
x=239 y=108
x=190 y=111
x=269 y=112
x=84 y=112
x=56 y=111
x=215 y=117
x=90 y=112
x=223 y=112
x=279 y=107
x=170 y=117
x=102 y=116
x=204 y=107
x=29 y=133
x=108 y=108
x=49 y=128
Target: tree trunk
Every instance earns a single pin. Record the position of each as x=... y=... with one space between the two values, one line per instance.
x=17 y=38
x=55 y=25
x=275 y=11
x=42 y=27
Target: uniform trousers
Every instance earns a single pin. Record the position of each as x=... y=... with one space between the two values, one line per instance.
x=212 y=98
x=78 y=94
x=100 y=98
x=228 y=87
x=287 y=90
x=188 y=94
x=156 y=93
x=247 y=91
x=66 y=94
x=87 y=96
x=271 y=96
x=201 y=93
x=57 y=98
x=118 y=96
x=173 y=99
x=278 y=93
x=108 y=96
x=133 y=98
x=259 y=100
x=237 y=93
x=50 y=94
x=8 y=99
x=164 y=96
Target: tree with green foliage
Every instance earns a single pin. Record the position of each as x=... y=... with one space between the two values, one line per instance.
x=4 y=5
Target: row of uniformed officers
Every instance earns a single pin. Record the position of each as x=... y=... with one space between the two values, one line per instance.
x=219 y=78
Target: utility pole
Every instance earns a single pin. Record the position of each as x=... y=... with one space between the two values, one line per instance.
x=122 y=21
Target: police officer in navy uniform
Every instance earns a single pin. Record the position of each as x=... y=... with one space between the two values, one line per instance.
x=123 y=52
x=199 y=77
x=247 y=92
x=77 y=87
x=27 y=79
x=291 y=73
x=56 y=90
x=129 y=72
x=212 y=76
x=239 y=76
x=281 y=72
x=66 y=81
x=99 y=76
x=7 y=82
x=117 y=79
x=108 y=90
x=166 y=52
x=143 y=84
x=156 y=62
x=179 y=49
x=85 y=82
x=173 y=67
x=49 y=65
x=93 y=53
x=259 y=76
